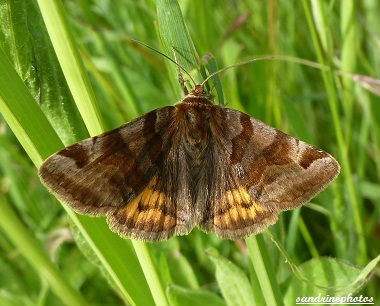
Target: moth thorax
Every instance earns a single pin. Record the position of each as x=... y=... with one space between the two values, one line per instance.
x=197 y=129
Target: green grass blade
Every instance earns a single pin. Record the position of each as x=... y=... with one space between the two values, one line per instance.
x=72 y=67
x=346 y=168
x=264 y=270
x=17 y=105
x=179 y=296
x=174 y=33
x=35 y=254
x=307 y=237
x=26 y=42
x=212 y=67
x=292 y=232
x=150 y=273
x=348 y=58
x=64 y=45
x=40 y=140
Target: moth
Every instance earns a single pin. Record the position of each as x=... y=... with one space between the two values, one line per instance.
x=191 y=164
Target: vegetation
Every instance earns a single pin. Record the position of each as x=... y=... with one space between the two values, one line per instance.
x=71 y=69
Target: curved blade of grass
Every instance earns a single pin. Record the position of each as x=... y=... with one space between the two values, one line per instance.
x=72 y=66
x=25 y=41
x=264 y=271
x=173 y=32
x=71 y=63
x=31 y=249
x=35 y=133
x=349 y=53
x=180 y=296
x=40 y=140
x=333 y=104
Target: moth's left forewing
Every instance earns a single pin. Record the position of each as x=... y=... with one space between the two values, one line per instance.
x=262 y=172
x=283 y=172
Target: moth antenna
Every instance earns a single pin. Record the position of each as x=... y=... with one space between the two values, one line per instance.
x=180 y=77
x=236 y=65
x=164 y=55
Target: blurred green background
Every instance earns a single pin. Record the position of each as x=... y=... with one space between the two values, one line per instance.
x=322 y=88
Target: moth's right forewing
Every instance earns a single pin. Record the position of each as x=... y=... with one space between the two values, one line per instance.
x=134 y=174
x=102 y=173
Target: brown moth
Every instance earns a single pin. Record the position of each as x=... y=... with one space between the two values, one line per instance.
x=191 y=164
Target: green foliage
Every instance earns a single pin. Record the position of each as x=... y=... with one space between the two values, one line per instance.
x=232 y=281
x=327 y=276
x=69 y=70
x=179 y=296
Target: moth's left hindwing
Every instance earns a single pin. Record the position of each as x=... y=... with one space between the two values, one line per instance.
x=121 y=174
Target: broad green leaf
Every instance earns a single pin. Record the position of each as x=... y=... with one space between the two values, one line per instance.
x=16 y=42
x=72 y=66
x=232 y=281
x=25 y=41
x=173 y=32
x=332 y=276
x=23 y=115
x=181 y=270
x=213 y=67
x=179 y=296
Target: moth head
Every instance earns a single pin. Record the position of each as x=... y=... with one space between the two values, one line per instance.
x=198 y=91
x=198 y=95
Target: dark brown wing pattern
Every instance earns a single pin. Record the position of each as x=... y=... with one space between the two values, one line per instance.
x=124 y=174
x=259 y=172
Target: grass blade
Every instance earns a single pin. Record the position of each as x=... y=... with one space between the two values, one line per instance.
x=26 y=42
x=35 y=133
x=346 y=168
x=264 y=271
x=174 y=33
x=34 y=253
x=72 y=66
x=40 y=140
x=179 y=296
x=64 y=45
